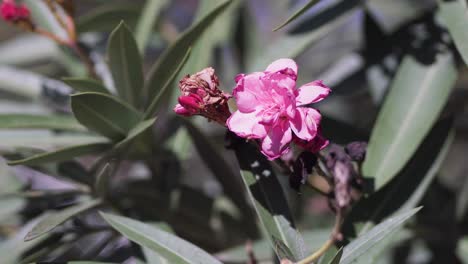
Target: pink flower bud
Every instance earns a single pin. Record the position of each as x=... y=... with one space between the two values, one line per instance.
x=191 y=102
x=12 y=12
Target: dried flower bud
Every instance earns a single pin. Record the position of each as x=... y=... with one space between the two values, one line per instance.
x=339 y=163
x=201 y=96
x=357 y=150
x=301 y=169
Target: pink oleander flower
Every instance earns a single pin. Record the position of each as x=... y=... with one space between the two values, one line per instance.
x=201 y=96
x=12 y=12
x=273 y=110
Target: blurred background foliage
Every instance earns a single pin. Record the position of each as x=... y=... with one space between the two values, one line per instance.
x=398 y=74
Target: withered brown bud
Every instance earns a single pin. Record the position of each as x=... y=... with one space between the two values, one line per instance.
x=200 y=95
x=357 y=150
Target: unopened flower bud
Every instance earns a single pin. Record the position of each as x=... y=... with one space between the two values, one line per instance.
x=201 y=96
x=20 y=15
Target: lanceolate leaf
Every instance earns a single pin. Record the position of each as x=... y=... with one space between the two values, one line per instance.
x=407 y=188
x=171 y=247
x=85 y=85
x=63 y=154
x=55 y=219
x=455 y=17
x=337 y=258
x=164 y=92
x=125 y=64
x=219 y=166
x=104 y=114
x=297 y=14
x=291 y=46
x=269 y=200
x=167 y=63
x=107 y=16
x=138 y=130
x=20 y=121
x=413 y=104
x=377 y=234
x=147 y=20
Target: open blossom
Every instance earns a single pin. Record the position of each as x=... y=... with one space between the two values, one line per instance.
x=273 y=110
x=201 y=96
x=12 y=12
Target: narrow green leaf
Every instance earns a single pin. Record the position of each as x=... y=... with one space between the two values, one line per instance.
x=218 y=165
x=164 y=92
x=138 y=130
x=455 y=17
x=407 y=189
x=291 y=46
x=153 y=257
x=167 y=64
x=268 y=199
x=125 y=64
x=147 y=20
x=102 y=179
x=298 y=13
x=14 y=247
x=337 y=258
x=413 y=104
x=55 y=219
x=171 y=247
x=63 y=154
x=26 y=121
x=104 y=114
x=104 y=18
x=83 y=85
x=377 y=234
x=313 y=239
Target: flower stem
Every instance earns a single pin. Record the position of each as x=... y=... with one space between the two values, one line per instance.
x=334 y=237
x=317 y=254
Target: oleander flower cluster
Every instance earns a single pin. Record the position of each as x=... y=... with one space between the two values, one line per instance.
x=270 y=107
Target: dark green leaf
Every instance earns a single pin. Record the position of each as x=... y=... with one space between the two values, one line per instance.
x=125 y=64
x=291 y=46
x=138 y=130
x=377 y=234
x=171 y=247
x=218 y=165
x=269 y=199
x=104 y=114
x=298 y=13
x=147 y=20
x=63 y=154
x=55 y=219
x=59 y=122
x=164 y=92
x=413 y=104
x=85 y=85
x=337 y=258
x=14 y=247
x=406 y=190
x=167 y=64
x=107 y=17
x=313 y=239
x=455 y=17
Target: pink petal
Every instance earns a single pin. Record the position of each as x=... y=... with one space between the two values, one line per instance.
x=180 y=110
x=246 y=125
x=312 y=93
x=248 y=92
x=282 y=64
x=276 y=143
x=301 y=127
